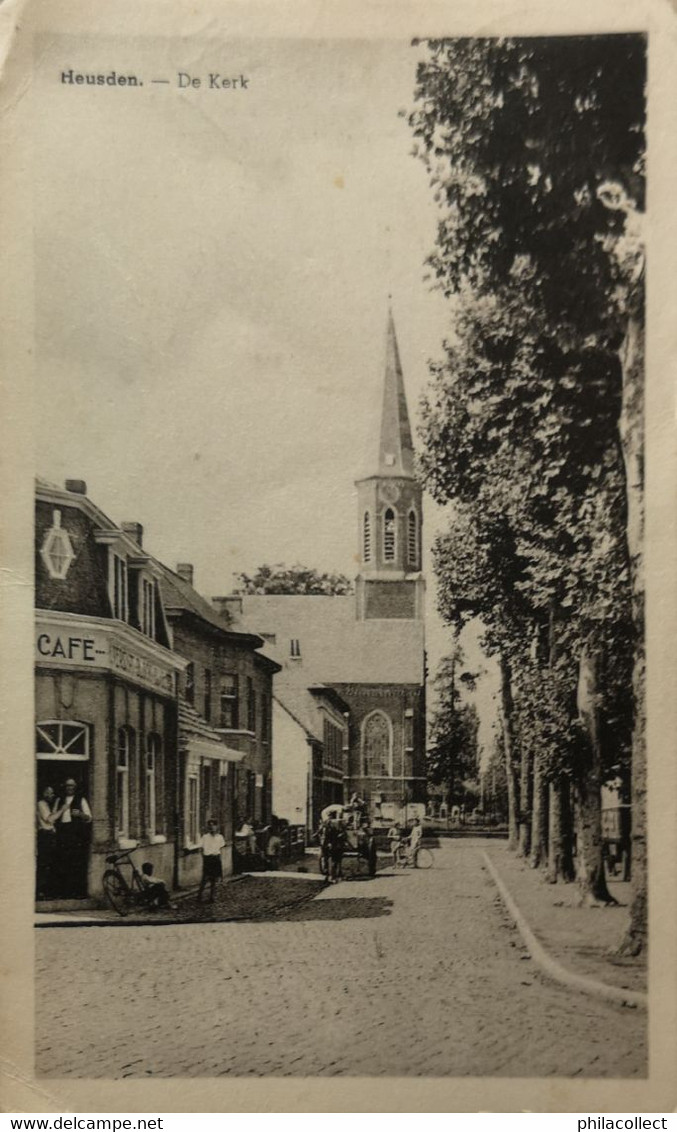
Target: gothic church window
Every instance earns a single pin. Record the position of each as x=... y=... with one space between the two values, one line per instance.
x=366 y=540
x=377 y=745
x=412 y=538
x=389 y=536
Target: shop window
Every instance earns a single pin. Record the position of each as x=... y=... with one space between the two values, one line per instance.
x=57 y=550
x=412 y=538
x=125 y=761
x=56 y=739
x=229 y=707
x=193 y=811
x=251 y=705
x=377 y=745
x=153 y=772
x=190 y=682
x=389 y=535
x=366 y=537
x=208 y=696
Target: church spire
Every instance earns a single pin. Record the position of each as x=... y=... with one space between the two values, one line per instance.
x=396 y=450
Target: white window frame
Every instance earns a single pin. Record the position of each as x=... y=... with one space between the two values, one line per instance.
x=192 y=809
x=55 y=535
x=122 y=769
x=153 y=760
x=61 y=749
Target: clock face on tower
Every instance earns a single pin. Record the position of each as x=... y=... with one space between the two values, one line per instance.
x=390 y=492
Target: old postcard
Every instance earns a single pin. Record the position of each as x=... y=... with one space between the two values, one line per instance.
x=340 y=538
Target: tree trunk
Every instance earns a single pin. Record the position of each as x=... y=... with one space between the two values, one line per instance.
x=539 y=817
x=506 y=713
x=526 y=792
x=631 y=427
x=590 y=875
x=560 y=839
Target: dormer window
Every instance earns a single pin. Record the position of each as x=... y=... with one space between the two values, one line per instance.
x=119 y=587
x=57 y=549
x=147 y=611
x=389 y=535
x=366 y=537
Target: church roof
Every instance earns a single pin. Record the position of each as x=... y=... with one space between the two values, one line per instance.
x=334 y=647
x=396 y=449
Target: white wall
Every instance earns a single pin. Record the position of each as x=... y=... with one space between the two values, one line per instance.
x=291 y=767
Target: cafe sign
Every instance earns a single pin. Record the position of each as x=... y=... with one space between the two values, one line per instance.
x=77 y=643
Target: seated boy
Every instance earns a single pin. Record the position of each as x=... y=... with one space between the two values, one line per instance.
x=158 y=897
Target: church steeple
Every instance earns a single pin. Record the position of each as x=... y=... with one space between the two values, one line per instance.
x=396 y=450
x=389 y=584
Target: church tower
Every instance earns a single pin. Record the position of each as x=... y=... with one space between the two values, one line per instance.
x=390 y=584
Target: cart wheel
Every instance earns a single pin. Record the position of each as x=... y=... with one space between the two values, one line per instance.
x=323 y=865
x=116 y=892
x=424 y=859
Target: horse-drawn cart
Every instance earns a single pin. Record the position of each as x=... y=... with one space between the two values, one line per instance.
x=344 y=834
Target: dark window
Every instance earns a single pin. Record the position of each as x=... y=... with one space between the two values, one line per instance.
x=251 y=705
x=190 y=682
x=412 y=538
x=265 y=717
x=295 y=647
x=208 y=695
x=366 y=538
x=389 y=536
x=229 y=702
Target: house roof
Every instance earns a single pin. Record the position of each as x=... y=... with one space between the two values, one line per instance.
x=335 y=647
x=199 y=736
x=303 y=702
x=179 y=597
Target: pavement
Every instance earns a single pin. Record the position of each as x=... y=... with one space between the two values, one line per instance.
x=417 y=973
x=579 y=944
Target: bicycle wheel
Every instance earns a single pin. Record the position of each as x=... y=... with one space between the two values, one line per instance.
x=115 y=890
x=424 y=859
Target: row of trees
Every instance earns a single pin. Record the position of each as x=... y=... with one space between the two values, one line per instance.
x=533 y=422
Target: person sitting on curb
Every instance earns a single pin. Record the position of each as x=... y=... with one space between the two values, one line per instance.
x=156 y=890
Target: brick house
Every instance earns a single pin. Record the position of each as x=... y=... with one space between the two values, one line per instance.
x=225 y=718
x=106 y=706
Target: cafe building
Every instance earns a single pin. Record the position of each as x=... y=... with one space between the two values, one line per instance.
x=106 y=681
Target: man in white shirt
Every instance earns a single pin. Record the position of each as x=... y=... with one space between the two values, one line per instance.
x=211 y=843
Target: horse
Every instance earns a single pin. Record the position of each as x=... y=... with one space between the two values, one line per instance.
x=332 y=848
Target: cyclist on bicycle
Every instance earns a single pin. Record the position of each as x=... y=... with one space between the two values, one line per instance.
x=415 y=838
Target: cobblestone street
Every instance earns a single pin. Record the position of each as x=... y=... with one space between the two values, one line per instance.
x=414 y=972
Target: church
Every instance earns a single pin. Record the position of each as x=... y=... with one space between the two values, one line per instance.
x=364 y=652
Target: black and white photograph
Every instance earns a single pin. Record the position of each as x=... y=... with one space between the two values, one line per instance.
x=341 y=741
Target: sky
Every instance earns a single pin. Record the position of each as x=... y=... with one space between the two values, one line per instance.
x=212 y=278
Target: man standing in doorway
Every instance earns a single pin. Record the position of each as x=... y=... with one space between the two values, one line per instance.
x=72 y=846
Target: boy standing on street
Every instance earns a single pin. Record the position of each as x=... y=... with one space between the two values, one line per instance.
x=212 y=843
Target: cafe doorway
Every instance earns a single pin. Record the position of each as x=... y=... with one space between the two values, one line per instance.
x=62 y=749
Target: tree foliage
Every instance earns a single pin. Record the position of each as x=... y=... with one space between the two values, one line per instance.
x=535 y=151
x=281 y=579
